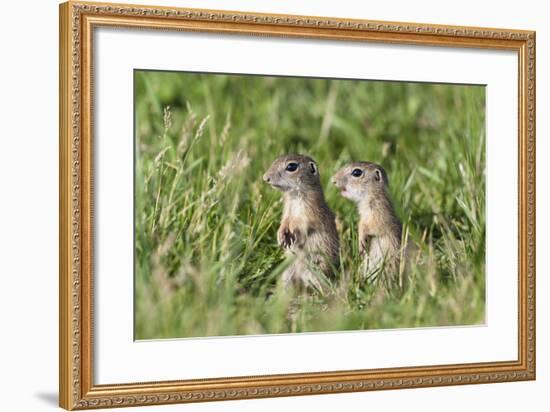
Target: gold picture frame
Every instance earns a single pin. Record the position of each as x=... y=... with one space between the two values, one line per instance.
x=76 y=386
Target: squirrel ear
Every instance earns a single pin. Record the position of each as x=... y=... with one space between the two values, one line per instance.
x=378 y=175
x=313 y=168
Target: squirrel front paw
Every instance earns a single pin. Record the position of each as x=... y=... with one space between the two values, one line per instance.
x=286 y=238
x=364 y=245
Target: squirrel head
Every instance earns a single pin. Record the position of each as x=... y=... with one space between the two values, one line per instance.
x=358 y=181
x=293 y=173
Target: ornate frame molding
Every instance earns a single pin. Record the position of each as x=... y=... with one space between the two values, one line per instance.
x=77 y=20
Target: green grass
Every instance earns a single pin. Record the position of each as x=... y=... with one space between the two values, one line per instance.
x=207 y=261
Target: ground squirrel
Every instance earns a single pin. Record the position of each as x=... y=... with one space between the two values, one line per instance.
x=380 y=229
x=308 y=229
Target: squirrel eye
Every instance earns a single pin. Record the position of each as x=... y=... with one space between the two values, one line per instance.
x=291 y=167
x=356 y=172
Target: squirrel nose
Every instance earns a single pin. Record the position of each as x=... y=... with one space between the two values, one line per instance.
x=266 y=178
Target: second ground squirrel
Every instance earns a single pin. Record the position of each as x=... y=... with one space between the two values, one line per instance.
x=380 y=229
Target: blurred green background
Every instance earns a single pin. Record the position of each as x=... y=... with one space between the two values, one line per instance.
x=207 y=261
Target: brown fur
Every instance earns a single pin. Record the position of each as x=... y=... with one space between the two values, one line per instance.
x=380 y=229
x=308 y=229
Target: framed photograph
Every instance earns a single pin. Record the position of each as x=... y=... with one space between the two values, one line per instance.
x=257 y=205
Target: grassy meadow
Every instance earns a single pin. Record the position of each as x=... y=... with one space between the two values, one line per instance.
x=207 y=261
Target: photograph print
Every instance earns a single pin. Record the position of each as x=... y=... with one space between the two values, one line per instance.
x=275 y=205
